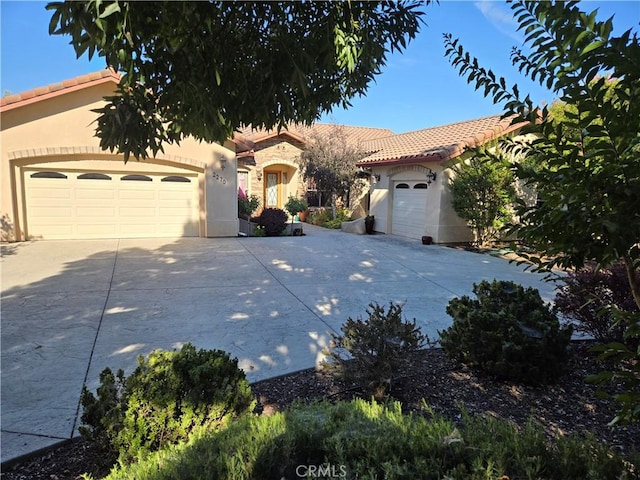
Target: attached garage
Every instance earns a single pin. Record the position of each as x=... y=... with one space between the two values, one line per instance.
x=83 y=205
x=56 y=181
x=409 y=215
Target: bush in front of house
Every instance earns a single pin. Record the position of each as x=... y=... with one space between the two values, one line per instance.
x=507 y=331
x=170 y=395
x=367 y=440
x=587 y=296
x=372 y=351
x=273 y=220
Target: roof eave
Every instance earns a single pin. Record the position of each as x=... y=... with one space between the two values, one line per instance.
x=112 y=77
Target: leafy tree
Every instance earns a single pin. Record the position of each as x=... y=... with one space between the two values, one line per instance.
x=330 y=161
x=588 y=175
x=483 y=193
x=206 y=68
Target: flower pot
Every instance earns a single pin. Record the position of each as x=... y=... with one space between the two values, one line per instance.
x=303 y=215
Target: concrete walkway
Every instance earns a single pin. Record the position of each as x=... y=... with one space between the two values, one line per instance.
x=72 y=308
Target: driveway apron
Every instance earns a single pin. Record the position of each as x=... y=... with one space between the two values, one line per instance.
x=71 y=308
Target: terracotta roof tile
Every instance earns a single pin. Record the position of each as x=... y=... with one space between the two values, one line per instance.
x=303 y=132
x=13 y=101
x=437 y=143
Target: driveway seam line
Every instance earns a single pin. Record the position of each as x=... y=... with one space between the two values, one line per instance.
x=287 y=289
x=95 y=338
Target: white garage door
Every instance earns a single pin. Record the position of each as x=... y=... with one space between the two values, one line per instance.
x=409 y=209
x=69 y=205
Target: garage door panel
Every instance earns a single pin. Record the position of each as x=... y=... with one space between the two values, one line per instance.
x=96 y=194
x=137 y=212
x=97 y=229
x=72 y=207
x=409 y=210
x=107 y=213
x=49 y=193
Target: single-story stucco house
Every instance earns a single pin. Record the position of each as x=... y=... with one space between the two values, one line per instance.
x=58 y=184
x=410 y=172
x=271 y=171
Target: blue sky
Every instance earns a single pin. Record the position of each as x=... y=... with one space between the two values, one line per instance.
x=416 y=90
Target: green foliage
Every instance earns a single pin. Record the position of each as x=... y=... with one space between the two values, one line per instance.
x=627 y=373
x=292 y=61
x=330 y=162
x=248 y=205
x=372 y=352
x=273 y=221
x=366 y=440
x=295 y=205
x=588 y=296
x=483 y=193
x=169 y=396
x=588 y=174
x=324 y=218
x=507 y=331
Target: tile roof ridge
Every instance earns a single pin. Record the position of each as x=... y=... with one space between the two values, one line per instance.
x=459 y=122
x=58 y=88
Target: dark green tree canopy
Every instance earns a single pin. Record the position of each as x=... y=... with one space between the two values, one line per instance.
x=587 y=173
x=206 y=68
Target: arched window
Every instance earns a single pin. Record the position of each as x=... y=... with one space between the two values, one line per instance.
x=136 y=178
x=421 y=186
x=176 y=179
x=402 y=185
x=93 y=176
x=48 y=175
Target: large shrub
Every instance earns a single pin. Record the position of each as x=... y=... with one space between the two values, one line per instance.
x=587 y=296
x=366 y=441
x=372 y=351
x=169 y=395
x=273 y=220
x=507 y=331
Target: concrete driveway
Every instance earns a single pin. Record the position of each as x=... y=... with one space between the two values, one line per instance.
x=72 y=308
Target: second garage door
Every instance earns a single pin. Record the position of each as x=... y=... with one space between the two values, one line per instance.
x=70 y=205
x=409 y=209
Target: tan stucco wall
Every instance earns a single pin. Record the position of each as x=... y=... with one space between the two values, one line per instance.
x=280 y=155
x=442 y=223
x=59 y=132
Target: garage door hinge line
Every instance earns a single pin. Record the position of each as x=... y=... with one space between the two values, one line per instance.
x=95 y=339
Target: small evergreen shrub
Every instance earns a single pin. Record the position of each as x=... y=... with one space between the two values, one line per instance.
x=507 y=331
x=587 y=296
x=247 y=205
x=273 y=220
x=366 y=440
x=170 y=395
x=372 y=351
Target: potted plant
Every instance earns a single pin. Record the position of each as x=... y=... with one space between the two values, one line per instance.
x=246 y=207
x=369 y=222
x=294 y=206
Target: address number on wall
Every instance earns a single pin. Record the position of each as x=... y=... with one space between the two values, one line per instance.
x=219 y=178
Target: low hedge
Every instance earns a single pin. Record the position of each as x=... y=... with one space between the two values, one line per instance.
x=367 y=440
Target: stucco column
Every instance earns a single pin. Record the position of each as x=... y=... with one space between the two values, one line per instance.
x=221 y=196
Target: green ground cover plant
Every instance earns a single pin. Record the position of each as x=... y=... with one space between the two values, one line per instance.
x=368 y=440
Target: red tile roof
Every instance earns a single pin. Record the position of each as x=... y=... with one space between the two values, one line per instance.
x=437 y=143
x=303 y=132
x=41 y=93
